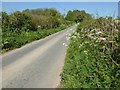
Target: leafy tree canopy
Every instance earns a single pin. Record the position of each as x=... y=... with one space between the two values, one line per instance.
x=77 y=15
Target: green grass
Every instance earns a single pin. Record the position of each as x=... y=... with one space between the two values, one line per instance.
x=14 y=40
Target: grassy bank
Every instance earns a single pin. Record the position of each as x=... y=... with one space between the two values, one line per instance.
x=93 y=56
x=14 y=40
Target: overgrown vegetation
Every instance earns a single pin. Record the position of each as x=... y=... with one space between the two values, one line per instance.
x=19 y=28
x=13 y=40
x=93 y=55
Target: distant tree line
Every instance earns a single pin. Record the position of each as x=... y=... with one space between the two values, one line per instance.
x=77 y=16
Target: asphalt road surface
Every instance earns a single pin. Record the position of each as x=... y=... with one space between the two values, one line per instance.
x=37 y=64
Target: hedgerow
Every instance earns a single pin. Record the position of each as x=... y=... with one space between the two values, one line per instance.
x=93 y=56
x=19 y=28
x=12 y=41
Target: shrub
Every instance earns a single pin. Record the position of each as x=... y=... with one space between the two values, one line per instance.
x=20 y=21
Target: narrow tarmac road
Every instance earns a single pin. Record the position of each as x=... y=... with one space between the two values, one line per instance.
x=38 y=64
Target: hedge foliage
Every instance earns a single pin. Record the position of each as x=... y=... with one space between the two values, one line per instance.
x=19 y=28
x=93 y=56
x=13 y=40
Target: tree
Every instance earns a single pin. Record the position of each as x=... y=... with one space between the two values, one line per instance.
x=69 y=16
x=20 y=21
x=77 y=15
x=5 y=20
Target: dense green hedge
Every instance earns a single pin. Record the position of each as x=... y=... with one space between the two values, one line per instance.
x=93 y=56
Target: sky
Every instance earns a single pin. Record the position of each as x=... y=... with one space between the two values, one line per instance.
x=60 y=0
x=102 y=8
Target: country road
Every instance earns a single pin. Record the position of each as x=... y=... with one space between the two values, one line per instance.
x=37 y=64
